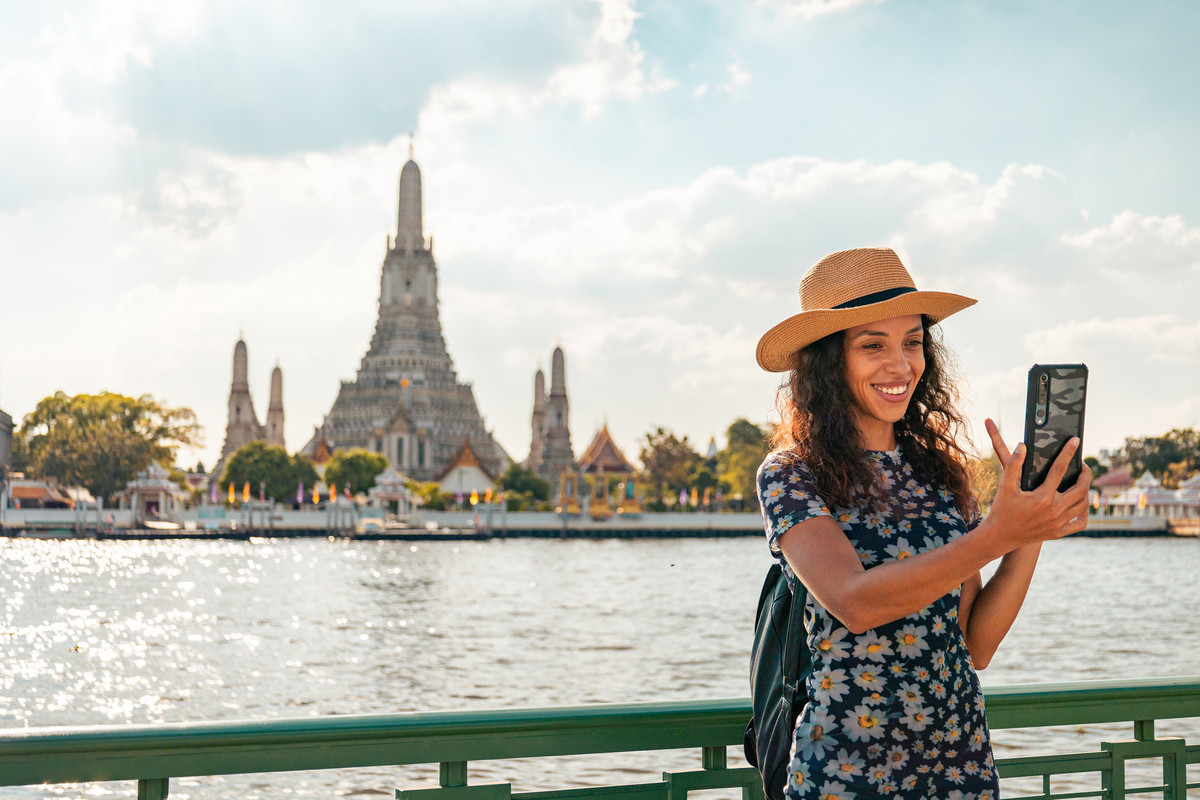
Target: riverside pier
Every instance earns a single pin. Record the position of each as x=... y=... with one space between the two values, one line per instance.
x=485 y=521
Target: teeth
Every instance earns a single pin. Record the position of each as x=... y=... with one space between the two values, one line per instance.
x=895 y=390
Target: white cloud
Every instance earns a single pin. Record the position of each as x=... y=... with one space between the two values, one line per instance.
x=811 y=9
x=738 y=77
x=612 y=67
x=1128 y=228
x=1156 y=337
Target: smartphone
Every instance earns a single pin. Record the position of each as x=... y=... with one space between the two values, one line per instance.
x=1053 y=414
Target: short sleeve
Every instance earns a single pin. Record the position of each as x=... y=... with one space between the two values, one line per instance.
x=787 y=496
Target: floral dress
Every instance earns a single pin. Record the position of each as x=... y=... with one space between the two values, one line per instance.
x=895 y=712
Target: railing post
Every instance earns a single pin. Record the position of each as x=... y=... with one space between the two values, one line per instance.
x=1143 y=730
x=713 y=757
x=153 y=788
x=1173 y=753
x=452 y=773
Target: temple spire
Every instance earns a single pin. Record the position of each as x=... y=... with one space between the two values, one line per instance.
x=275 y=408
x=241 y=372
x=410 y=233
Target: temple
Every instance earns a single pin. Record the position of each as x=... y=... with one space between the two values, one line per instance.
x=603 y=462
x=242 y=426
x=537 y=422
x=406 y=400
x=464 y=474
x=550 y=453
x=274 y=431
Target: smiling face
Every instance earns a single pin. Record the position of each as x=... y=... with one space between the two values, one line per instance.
x=884 y=361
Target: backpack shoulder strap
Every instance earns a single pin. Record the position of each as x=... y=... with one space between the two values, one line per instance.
x=797 y=660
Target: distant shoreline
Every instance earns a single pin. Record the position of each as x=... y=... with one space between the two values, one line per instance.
x=595 y=533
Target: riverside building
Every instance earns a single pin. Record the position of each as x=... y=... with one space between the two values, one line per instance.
x=6 y=432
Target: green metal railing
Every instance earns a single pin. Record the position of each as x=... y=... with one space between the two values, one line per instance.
x=154 y=754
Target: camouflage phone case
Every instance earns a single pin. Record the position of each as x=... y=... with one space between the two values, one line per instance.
x=1053 y=414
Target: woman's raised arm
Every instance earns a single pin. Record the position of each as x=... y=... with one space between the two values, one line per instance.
x=986 y=614
x=824 y=560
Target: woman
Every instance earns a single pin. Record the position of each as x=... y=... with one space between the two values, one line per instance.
x=867 y=500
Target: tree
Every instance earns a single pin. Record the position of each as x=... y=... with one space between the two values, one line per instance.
x=1159 y=455
x=524 y=481
x=667 y=462
x=1097 y=468
x=985 y=478
x=430 y=493
x=259 y=462
x=746 y=446
x=357 y=467
x=101 y=441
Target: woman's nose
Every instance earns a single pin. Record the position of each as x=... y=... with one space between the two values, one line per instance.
x=897 y=364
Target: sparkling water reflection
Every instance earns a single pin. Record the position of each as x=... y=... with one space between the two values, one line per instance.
x=102 y=632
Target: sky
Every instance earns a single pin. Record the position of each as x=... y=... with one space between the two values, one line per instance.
x=644 y=182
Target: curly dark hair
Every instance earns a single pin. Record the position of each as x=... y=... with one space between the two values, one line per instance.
x=817 y=424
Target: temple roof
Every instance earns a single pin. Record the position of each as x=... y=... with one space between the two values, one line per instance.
x=603 y=455
x=1116 y=478
x=465 y=457
x=1147 y=481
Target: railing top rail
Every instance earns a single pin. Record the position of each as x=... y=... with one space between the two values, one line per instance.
x=119 y=752
x=1086 y=702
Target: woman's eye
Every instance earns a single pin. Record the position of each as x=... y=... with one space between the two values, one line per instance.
x=915 y=343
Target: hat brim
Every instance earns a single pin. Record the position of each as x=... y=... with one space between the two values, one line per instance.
x=778 y=346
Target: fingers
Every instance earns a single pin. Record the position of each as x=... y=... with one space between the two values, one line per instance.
x=1059 y=468
x=1012 y=470
x=1083 y=485
x=1002 y=451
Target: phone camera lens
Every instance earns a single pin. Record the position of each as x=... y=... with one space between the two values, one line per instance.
x=1044 y=377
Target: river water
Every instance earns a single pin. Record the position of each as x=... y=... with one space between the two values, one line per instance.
x=115 y=632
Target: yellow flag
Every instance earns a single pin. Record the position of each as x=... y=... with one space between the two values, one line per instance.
x=246 y=492
x=487 y=495
x=695 y=498
x=232 y=496
x=316 y=495
x=333 y=492
x=474 y=497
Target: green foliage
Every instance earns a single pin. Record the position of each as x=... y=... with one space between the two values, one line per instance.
x=101 y=441
x=985 y=479
x=1098 y=469
x=358 y=467
x=703 y=478
x=520 y=481
x=20 y=454
x=667 y=462
x=430 y=493
x=519 y=501
x=737 y=464
x=259 y=462
x=1175 y=453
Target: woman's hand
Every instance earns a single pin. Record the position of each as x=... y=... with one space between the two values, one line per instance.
x=1045 y=513
x=986 y=612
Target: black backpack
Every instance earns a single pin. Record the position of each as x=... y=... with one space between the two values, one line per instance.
x=779 y=665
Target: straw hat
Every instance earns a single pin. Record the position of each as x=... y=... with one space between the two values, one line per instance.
x=849 y=288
